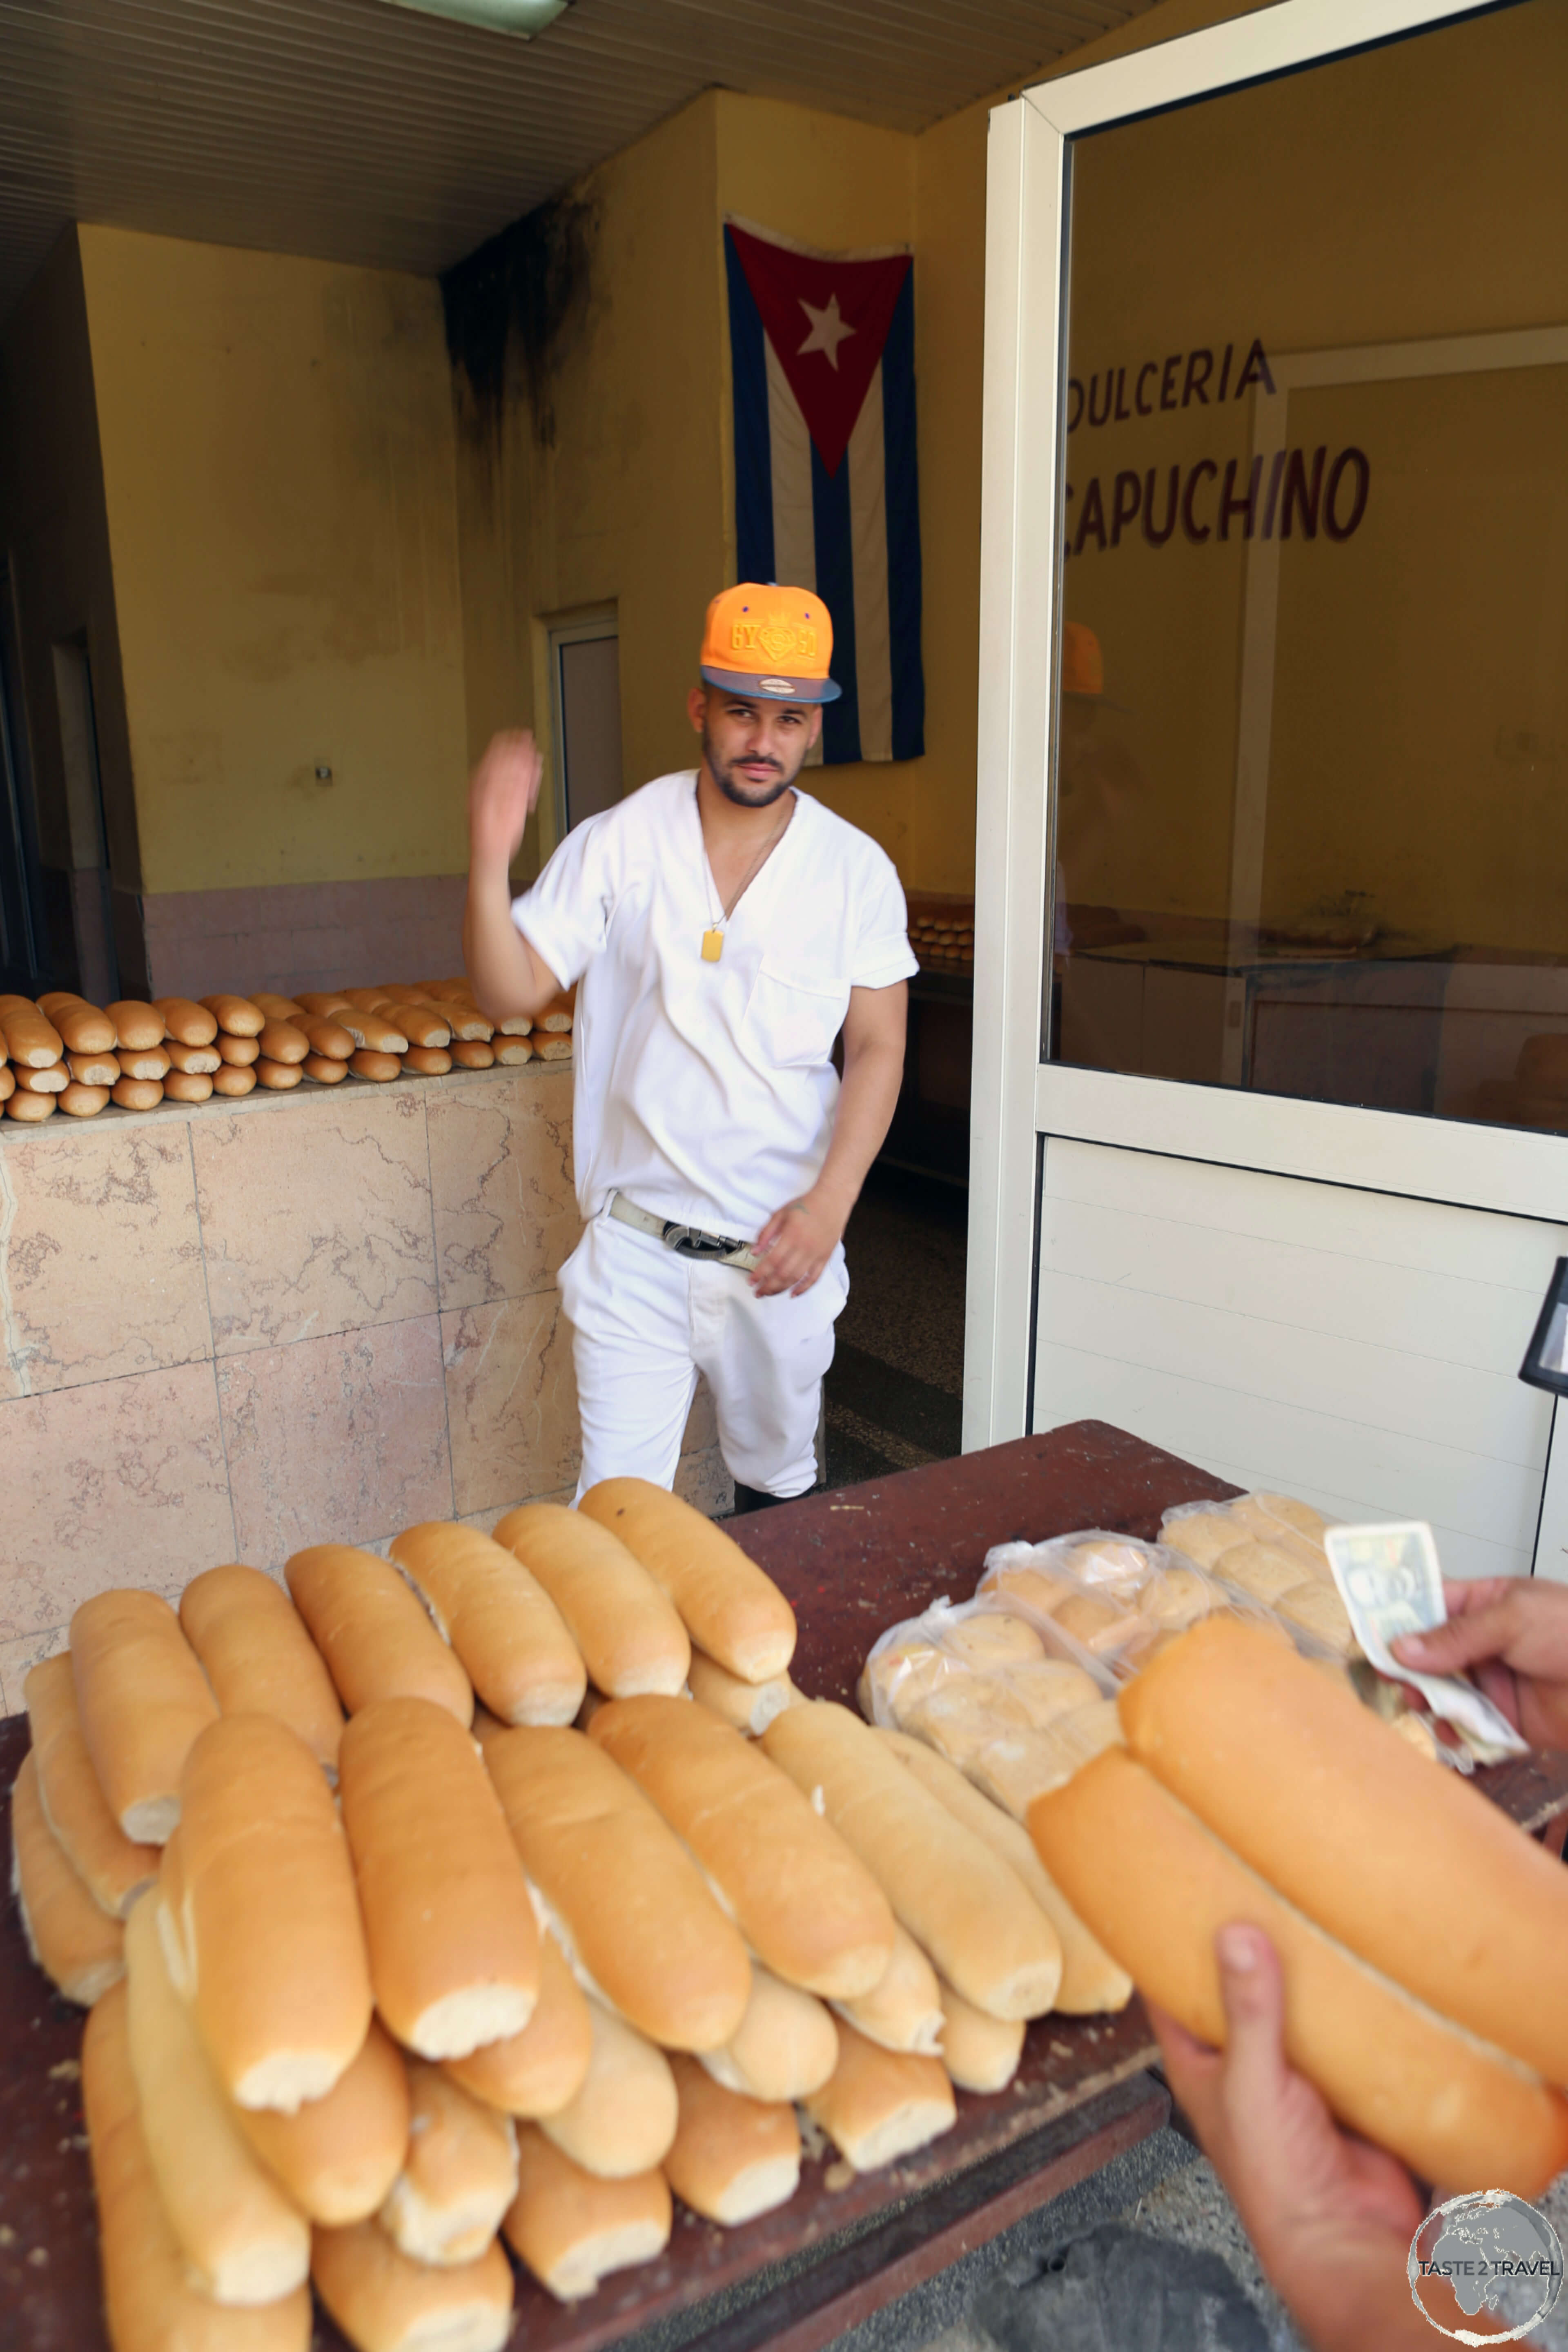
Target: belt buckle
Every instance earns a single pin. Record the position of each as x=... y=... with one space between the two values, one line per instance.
x=685 y=1240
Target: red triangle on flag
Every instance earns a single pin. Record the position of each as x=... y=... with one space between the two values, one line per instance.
x=827 y=321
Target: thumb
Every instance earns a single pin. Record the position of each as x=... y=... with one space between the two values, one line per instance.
x=1485 y=1633
x=1253 y=1991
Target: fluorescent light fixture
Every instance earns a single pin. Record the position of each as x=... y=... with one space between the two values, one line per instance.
x=523 y=18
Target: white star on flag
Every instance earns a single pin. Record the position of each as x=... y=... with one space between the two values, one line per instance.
x=827 y=331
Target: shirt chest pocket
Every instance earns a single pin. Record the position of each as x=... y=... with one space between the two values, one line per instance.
x=792 y=1020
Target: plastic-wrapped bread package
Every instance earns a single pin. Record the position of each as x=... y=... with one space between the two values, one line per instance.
x=745 y=1706
x=539 y=2071
x=573 y=2228
x=1267 y=1550
x=458 y=2175
x=386 y=2303
x=622 y=2117
x=339 y=2155
x=1117 y=1599
x=728 y=1607
x=376 y=1639
x=879 y=2104
x=732 y=2158
x=144 y=1700
x=500 y=1621
x=258 y=1658
x=903 y=2008
x=451 y=1934
x=785 y=2046
x=80 y=1949
x=626 y=1625
x=113 y=1868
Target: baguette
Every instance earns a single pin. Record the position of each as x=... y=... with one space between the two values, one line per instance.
x=744 y=1706
x=369 y=1031
x=137 y=1093
x=515 y=1026
x=113 y=1868
x=785 y=2046
x=459 y=2175
x=470 y=1027
x=258 y=1658
x=508 y=1052
x=629 y=1632
x=138 y=1027
x=275 y=1007
x=503 y=1624
x=472 y=1053
x=454 y=1947
x=879 y=2104
x=427 y=1062
x=186 y=1086
x=235 y=1015
x=903 y=2008
x=280 y=1042
x=557 y=1014
x=1156 y=1885
x=234 y=1079
x=143 y=1699
x=384 y=2303
x=244 y=2242
x=377 y=1641
x=980 y=2053
x=632 y=1906
x=571 y=2228
x=422 y=1024
x=31 y=1110
x=536 y=2072
x=50 y=1078
x=261 y=1900
x=808 y=1907
x=198 y=1061
x=238 y=1051
x=559 y=1049
x=325 y=1036
x=326 y=1070
x=731 y=1609
x=732 y=2158
x=82 y=1102
x=78 y=1948
x=1092 y=1981
x=148 y=2298
x=83 y=1028
x=1343 y=1817
x=378 y=1067
x=278 y=1076
x=621 y=2119
x=959 y=1901
x=191 y=1024
x=338 y=2156
x=146 y=1062
x=32 y=1041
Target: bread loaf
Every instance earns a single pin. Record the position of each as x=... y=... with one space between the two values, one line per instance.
x=338 y=2156
x=469 y=1025
x=80 y=1949
x=236 y=1015
x=258 y=1658
x=1329 y=1805
x=553 y=1049
x=7 y=1076
x=137 y=1027
x=137 y=1093
x=732 y=2158
x=280 y=1042
x=244 y=2242
x=879 y=2104
x=384 y=2303
x=28 y=1109
x=573 y=2229
x=191 y=1024
x=185 y=1086
x=961 y=1905
x=785 y=2046
x=810 y=1910
x=454 y=1948
x=377 y=1641
x=324 y=1069
x=149 y=1064
x=325 y=1036
x=264 y=1904
x=630 y=1636
x=633 y=1907
x=369 y=1030
x=276 y=1007
x=376 y=1066
x=51 y=1079
x=82 y=1102
x=113 y=1869
x=500 y=1622
x=83 y=1028
x=511 y=1051
x=234 y=1079
x=472 y=1053
x=459 y=2175
x=427 y=1062
x=148 y=2298
x=980 y=2053
x=903 y=2008
x=729 y=1608
x=557 y=1014
x=278 y=1077
x=196 y=1061
x=238 y=1053
x=1156 y=1885
x=622 y=2117
x=143 y=1699
x=426 y=1028
x=1264 y=1570
x=32 y=1041
x=744 y=1706
x=538 y=2071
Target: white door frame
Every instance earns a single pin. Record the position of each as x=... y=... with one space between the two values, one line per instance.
x=1019 y=1099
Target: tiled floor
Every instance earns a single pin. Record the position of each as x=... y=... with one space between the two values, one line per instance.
x=895 y=1394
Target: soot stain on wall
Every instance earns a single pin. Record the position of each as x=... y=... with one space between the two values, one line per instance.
x=514 y=301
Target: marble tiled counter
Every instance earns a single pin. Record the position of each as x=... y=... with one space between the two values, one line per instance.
x=236 y=1328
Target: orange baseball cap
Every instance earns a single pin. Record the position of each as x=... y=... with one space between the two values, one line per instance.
x=774 y=644
x=1083 y=666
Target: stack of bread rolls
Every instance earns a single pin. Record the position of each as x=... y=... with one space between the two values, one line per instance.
x=1268 y=1548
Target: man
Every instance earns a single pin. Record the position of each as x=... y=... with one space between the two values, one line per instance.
x=723 y=928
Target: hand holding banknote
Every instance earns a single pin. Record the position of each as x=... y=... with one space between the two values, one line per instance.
x=1511 y=1633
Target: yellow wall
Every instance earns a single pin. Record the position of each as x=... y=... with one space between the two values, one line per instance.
x=279 y=466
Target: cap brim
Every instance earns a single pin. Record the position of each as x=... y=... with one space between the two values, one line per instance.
x=769 y=688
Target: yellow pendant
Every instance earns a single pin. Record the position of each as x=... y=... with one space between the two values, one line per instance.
x=713 y=946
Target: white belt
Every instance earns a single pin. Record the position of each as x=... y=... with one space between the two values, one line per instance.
x=685 y=1240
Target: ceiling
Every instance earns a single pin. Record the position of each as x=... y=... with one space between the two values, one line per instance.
x=360 y=133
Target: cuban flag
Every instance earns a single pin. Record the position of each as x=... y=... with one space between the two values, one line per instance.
x=827 y=488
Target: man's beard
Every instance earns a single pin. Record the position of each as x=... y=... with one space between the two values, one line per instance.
x=747 y=796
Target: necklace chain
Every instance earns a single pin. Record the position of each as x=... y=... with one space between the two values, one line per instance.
x=751 y=871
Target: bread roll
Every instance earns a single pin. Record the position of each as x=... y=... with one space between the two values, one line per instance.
x=234 y=1081
x=553 y=1049
x=1328 y=1803
x=809 y=1909
x=7 y=1078
x=621 y=2120
x=276 y=1007
x=196 y=1061
x=244 y=2242
x=980 y=2053
x=82 y=1102
x=384 y=2303
x=93 y=1069
x=744 y=1706
x=236 y=1015
x=280 y=1042
x=1032 y=1588
x=258 y=1658
x=137 y=1093
x=732 y=2158
x=903 y=2008
x=1101 y=1625
x=1264 y=1511
x=143 y=1699
x=1156 y=1885
x=52 y=1080
x=1016 y=1767
x=472 y=1053
x=538 y=2071
x=879 y=2104
x=324 y=1070
x=371 y=1033
x=149 y=2300
x=510 y=1051
x=1264 y=1570
x=1318 y=1610
x=785 y=2046
x=112 y=1867
x=338 y=2156
x=627 y=1630
x=237 y=1053
x=1050 y=1689
x=571 y=2228
x=991 y=1641
x=1202 y=1536
x=148 y=1063
x=191 y=1024
x=185 y=1087
x=278 y=1077
x=80 y=1949
x=377 y=1641
x=378 y=1067
x=83 y=1028
x=137 y=1027
x=960 y=1903
x=427 y=1062
x=500 y=1622
x=633 y=1906
x=32 y=1041
x=31 y=1110
x=557 y=1014
x=325 y=1036
x=265 y=1908
x=963 y=1713
x=422 y=1025
x=729 y=1608
x=517 y=1025
x=459 y=2175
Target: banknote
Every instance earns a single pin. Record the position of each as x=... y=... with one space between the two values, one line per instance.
x=1391 y=1583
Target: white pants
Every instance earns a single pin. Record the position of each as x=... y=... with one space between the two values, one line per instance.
x=645 y=1322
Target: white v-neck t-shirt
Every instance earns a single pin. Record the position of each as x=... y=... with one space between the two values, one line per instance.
x=705 y=1091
